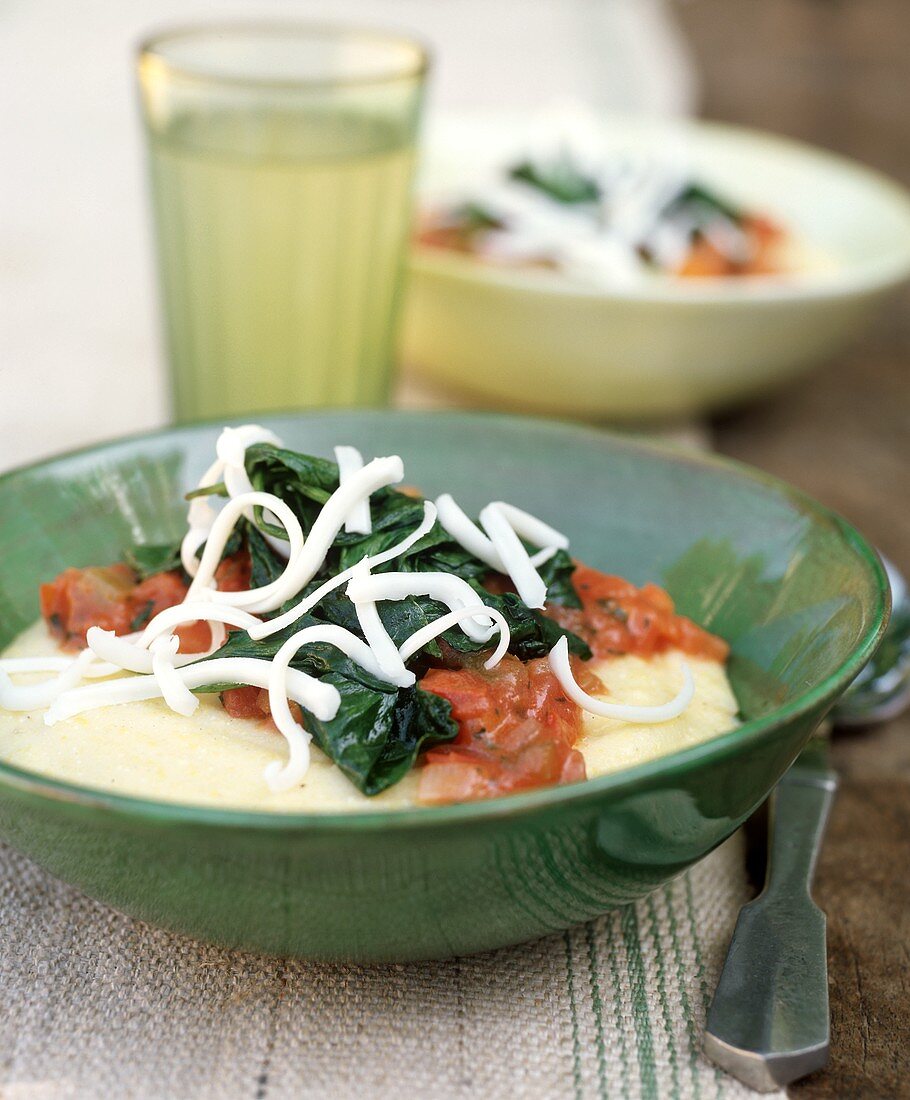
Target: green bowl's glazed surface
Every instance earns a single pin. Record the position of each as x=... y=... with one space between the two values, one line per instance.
x=795 y=590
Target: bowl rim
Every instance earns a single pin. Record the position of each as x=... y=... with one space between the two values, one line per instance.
x=507 y=806
x=844 y=281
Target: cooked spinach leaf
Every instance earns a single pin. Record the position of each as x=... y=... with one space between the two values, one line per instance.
x=471 y=218
x=379 y=729
x=376 y=736
x=557 y=576
x=146 y=560
x=143 y=616
x=218 y=489
x=265 y=563
x=561 y=180
x=702 y=205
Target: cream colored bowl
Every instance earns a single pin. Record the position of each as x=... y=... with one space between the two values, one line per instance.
x=536 y=340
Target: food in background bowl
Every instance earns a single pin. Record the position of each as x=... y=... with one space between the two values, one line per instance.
x=643 y=343
x=430 y=658
x=609 y=224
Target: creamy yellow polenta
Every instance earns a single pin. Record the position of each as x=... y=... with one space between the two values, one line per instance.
x=211 y=759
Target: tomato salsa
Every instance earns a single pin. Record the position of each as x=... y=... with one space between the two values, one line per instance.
x=617 y=618
x=114 y=598
x=517 y=729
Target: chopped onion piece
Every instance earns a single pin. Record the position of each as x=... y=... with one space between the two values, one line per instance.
x=562 y=670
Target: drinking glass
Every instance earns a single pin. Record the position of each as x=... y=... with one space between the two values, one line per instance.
x=281 y=161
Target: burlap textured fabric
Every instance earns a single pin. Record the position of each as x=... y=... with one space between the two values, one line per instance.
x=98 y=1005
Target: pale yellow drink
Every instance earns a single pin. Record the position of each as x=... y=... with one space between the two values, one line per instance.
x=283 y=216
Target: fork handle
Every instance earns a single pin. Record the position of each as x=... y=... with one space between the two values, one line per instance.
x=768 y=1024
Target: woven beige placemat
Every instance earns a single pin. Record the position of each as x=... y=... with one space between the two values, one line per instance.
x=95 y=1004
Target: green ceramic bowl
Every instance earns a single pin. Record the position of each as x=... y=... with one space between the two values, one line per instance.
x=798 y=593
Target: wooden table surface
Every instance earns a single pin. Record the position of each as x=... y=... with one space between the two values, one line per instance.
x=835 y=73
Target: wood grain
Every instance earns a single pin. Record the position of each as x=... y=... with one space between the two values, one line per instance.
x=835 y=72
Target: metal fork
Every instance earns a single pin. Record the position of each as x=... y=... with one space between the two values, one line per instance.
x=768 y=1024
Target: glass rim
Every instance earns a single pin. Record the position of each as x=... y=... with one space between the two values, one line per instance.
x=151 y=46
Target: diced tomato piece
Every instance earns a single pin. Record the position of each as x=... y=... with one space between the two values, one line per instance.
x=80 y=598
x=253 y=702
x=763 y=238
x=616 y=617
x=107 y=597
x=763 y=229
x=516 y=727
x=246 y=702
x=233 y=573
x=704 y=260
x=163 y=590
x=691 y=638
x=657 y=598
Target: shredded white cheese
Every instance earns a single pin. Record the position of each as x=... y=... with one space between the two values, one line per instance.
x=562 y=670
x=499 y=545
x=456 y=593
x=33 y=696
x=528 y=583
x=173 y=690
x=431 y=631
x=456 y=522
x=314 y=695
x=349 y=461
x=393 y=667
